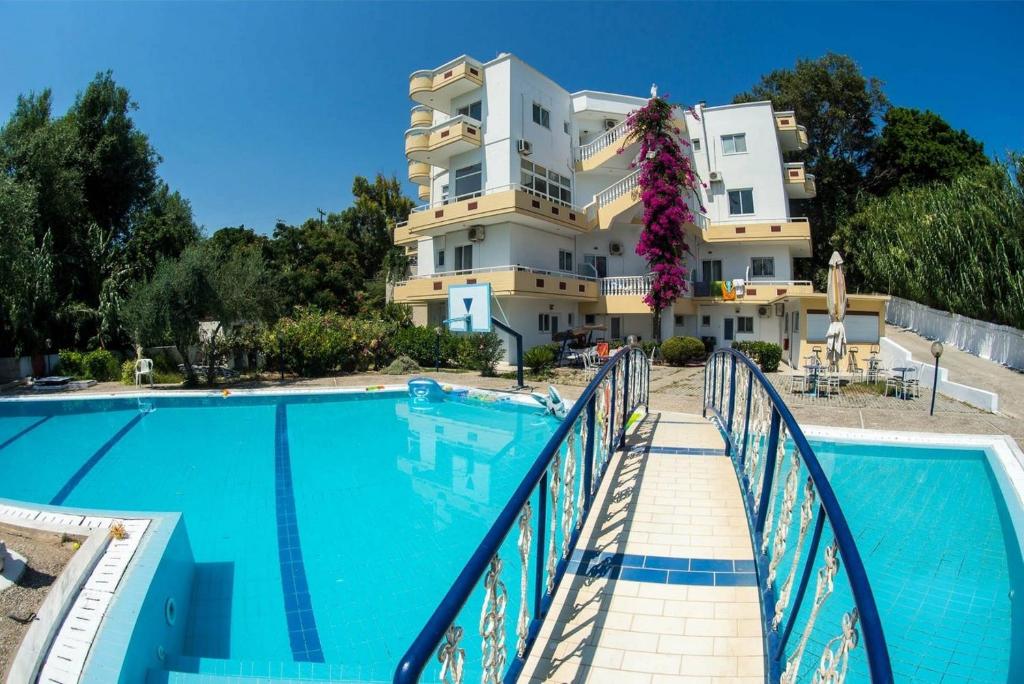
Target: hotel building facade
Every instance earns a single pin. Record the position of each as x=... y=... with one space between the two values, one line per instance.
x=528 y=187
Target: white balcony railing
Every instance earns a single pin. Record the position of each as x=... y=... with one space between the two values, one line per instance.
x=618 y=189
x=609 y=137
x=627 y=285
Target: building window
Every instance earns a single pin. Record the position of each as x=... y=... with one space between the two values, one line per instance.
x=741 y=202
x=705 y=321
x=463 y=257
x=547 y=183
x=440 y=257
x=680 y=320
x=744 y=324
x=473 y=110
x=468 y=181
x=568 y=319
x=589 y=319
x=541 y=116
x=564 y=260
x=696 y=144
x=734 y=144
x=711 y=269
x=444 y=194
x=762 y=267
x=544 y=323
x=565 y=127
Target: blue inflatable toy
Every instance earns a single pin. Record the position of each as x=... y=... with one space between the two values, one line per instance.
x=426 y=389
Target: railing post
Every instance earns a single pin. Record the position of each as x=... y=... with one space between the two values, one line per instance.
x=613 y=439
x=746 y=418
x=732 y=393
x=769 y=474
x=588 y=455
x=714 y=383
x=538 y=589
x=626 y=399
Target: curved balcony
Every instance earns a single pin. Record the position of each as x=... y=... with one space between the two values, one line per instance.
x=423 y=192
x=421 y=117
x=436 y=88
x=419 y=173
x=799 y=184
x=438 y=144
x=792 y=136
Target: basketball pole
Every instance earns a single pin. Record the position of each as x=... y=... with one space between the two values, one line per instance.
x=519 y=350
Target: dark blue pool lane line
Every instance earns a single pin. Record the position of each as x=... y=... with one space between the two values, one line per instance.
x=30 y=428
x=298 y=606
x=706 y=572
x=80 y=474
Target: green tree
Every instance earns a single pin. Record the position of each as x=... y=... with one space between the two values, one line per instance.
x=163 y=228
x=838 y=105
x=317 y=265
x=918 y=147
x=25 y=270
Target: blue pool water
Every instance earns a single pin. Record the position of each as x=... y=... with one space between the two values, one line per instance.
x=325 y=528
x=942 y=556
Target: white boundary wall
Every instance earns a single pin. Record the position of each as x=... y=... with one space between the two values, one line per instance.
x=999 y=343
x=895 y=356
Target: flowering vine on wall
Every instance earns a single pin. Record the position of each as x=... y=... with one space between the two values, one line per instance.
x=665 y=179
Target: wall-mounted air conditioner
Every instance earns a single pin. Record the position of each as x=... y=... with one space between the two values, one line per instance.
x=476 y=233
x=615 y=248
x=524 y=147
x=609 y=124
x=715 y=176
x=763 y=312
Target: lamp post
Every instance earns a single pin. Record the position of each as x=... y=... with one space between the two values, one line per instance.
x=437 y=348
x=936 y=352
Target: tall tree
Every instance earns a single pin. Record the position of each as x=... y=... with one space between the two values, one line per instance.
x=162 y=228
x=918 y=147
x=25 y=270
x=838 y=105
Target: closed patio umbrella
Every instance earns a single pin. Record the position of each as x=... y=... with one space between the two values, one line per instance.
x=836 y=299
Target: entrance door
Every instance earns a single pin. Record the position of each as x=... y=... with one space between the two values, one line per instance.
x=554 y=325
x=616 y=331
x=598 y=264
x=728 y=329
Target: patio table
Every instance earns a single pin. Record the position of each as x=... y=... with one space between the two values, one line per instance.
x=903 y=370
x=813 y=370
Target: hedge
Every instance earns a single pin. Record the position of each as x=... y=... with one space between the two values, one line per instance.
x=767 y=355
x=679 y=351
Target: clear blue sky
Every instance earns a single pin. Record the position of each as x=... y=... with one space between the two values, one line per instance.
x=263 y=111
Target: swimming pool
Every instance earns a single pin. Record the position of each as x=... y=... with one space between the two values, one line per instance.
x=325 y=527
x=942 y=553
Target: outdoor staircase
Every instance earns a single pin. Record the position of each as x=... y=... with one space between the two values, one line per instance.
x=617 y=198
x=601 y=149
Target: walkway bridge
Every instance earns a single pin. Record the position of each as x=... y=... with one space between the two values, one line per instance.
x=663 y=547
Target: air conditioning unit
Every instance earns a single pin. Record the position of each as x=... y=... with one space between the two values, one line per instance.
x=476 y=233
x=609 y=124
x=715 y=176
x=763 y=312
x=615 y=248
x=524 y=147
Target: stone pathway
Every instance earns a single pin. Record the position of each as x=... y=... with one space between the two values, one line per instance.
x=661 y=588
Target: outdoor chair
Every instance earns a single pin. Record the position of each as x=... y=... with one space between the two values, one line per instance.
x=590 y=363
x=911 y=385
x=893 y=381
x=798 y=382
x=853 y=368
x=828 y=381
x=143 y=367
x=876 y=369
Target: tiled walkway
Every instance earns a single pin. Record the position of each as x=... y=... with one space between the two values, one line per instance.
x=662 y=586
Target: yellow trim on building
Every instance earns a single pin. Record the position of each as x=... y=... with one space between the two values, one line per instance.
x=792 y=136
x=436 y=88
x=421 y=117
x=761 y=293
x=506 y=283
x=816 y=303
x=505 y=204
x=436 y=146
x=419 y=173
x=756 y=232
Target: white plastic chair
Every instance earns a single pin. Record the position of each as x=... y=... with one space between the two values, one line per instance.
x=143 y=367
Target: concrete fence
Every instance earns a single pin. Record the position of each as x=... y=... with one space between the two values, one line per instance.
x=999 y=343
x=895 y=356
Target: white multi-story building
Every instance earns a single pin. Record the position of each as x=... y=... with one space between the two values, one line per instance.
x=527 y=189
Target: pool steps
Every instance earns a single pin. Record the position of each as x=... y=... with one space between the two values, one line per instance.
x=193 y=670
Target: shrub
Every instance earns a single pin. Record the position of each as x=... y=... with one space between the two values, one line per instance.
x=767 y=355
x=679 y=351
x=419 y=343
x=100 y=365
x=403 y=365
x=480 y=351
x=128 y=372
x=539 y=358
x=312 y=342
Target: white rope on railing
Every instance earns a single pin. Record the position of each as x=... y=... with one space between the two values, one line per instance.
x=492 y=624
x=525 y=537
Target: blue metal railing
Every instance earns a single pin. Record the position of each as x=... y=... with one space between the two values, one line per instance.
x=560 y=485
x=790 y=506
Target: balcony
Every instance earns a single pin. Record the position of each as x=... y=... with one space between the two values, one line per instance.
x=615 y=200
x=605 y=147
x=423 y=192
x=421 y=117
x=437 y=144
x=495 y=205
x=621 y=295
x=795 y=230
x=506 y=281
x=799 y=184
x=792 y=136
x=753 y=291
x=436 y=88
x=419 y=173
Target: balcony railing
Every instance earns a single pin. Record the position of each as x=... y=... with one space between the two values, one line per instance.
x=627 y=285
x=820 y=620
x=618 y=189
x=437 y=204
x=609 y=137
x=500 y=269
x=489 y=619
